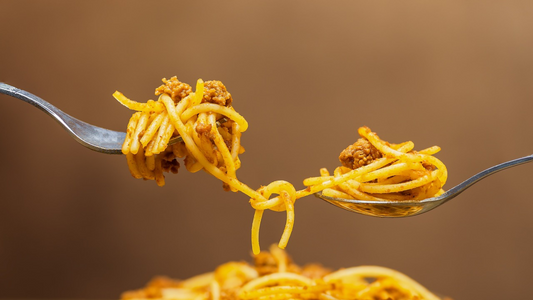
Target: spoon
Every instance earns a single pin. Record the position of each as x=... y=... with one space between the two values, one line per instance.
x=110 y=142
x=396 y=209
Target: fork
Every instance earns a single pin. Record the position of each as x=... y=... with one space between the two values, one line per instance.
x=93 y=137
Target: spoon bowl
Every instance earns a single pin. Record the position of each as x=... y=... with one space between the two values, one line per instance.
x=398 y=209
x=386 y=209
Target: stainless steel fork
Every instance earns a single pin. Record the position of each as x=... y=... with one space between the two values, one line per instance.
x=93 y=137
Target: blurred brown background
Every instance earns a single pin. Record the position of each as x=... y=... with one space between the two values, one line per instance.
x=305 y=74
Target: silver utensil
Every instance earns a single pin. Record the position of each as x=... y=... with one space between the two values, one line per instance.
x=110 y=142
x=397 y=209
x=93 y=137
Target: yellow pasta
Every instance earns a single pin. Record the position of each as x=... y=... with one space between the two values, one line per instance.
x=211 y=131
x=274 y=276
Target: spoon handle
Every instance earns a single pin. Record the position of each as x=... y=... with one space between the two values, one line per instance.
x=453 y=192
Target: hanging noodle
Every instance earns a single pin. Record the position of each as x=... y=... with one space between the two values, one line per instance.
x=274 y=276
x=211 y=132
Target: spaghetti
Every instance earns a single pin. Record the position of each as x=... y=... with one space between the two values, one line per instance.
x=211 y=132
x=274 y=276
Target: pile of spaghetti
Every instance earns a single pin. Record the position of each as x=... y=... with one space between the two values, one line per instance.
x=209 y=127
x=210 y=130
x=275 y=277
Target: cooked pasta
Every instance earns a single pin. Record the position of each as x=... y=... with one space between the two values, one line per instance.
x=274 y=276
x=211 y=132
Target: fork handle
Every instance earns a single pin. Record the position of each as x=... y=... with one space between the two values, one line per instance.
x=65 y=120
x=36 y=101
x=90 y=136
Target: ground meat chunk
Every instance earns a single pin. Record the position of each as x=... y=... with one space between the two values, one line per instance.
x=315 y=271
x=176 y=89
x=361 y=153
x=425 y=164
x=169 y=162
x=266 y=263
x=215 y=92
x=170 y=166
x=202 y=128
